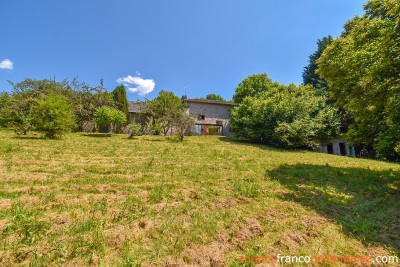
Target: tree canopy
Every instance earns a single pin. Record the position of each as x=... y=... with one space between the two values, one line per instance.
x=106 y=116
x=53 y=115
x=83 y=99
x=253 y=85
x=309 y=73
x=214 y=97
x=163 y=109
x=287 y=116
x=362 y=67
x=120 y=99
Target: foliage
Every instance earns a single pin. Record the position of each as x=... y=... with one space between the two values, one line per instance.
x=5 y=122
x=214 y=97
x=5 y=102
x=252 y=86
x=362 y=67
x=135 y=129
x=162 y=110
x=84 y=100
x=52 y=114
x=119 y=96
x=309 y=73
x=287 y=116
x=106 y=116
x=182 y=124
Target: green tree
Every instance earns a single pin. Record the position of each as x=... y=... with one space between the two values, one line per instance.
x=183 y=124
x=53 y=115
x=362 y=67
x=214 y=97
x=162 y=110
x=109 y=117
x=119 y=96
x=309 y=73
x=286 y=116
x=84 y=99
x=252 y=86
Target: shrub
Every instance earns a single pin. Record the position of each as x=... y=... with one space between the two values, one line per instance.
x=106 y=116
x=287 y=116
x=52 y=114
x=135 y=129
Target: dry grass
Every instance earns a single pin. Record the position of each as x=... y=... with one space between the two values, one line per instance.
x=106 y=200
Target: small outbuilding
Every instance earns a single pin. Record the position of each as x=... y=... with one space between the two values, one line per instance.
x=337 y=146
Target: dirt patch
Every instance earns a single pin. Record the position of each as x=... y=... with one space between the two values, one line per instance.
x=5 y=204
x=212 y=255
x=40 y=189
x=58 y=221
x=172 y=262
x=29 y=200
x=225 y=203
x=22 y=190
x=3 y=225
x=293 y=240
x=5 y=258
x=247 y=230
x=165 y=204
x=111 y=198
x=313 y=222
x=376 y=251
x=116 y=236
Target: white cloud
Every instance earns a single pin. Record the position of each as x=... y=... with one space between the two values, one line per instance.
x=6 y=64
x=143 y=86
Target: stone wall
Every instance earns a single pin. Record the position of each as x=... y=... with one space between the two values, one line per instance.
x=212 y=113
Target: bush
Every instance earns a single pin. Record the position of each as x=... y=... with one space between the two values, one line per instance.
x=106 y=116
x=135 y=129
x=52 y=114
x=4 y=122
x=287 y=116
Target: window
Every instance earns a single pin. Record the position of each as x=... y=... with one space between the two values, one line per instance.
x=219 y=122
x=201 y=117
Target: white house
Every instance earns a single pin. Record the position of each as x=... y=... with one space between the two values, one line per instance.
x=337 y=146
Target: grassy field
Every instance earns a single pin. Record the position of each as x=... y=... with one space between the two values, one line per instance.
x=95 y=199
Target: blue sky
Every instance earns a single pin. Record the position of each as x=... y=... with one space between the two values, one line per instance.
x=151 y=45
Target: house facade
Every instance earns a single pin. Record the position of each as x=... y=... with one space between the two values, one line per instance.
x=211 y=116
x=337 y=146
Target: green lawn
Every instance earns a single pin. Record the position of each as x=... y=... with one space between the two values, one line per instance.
x=94 y=199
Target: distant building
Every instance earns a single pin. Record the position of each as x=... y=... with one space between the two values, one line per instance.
x=135 y=111
x=211 y=116
x=337 y=146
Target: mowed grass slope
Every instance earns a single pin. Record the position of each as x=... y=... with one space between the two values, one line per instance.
x=95 y=199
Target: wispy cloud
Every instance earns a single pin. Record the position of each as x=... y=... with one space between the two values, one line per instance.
x=6 y=64
x=143 y=86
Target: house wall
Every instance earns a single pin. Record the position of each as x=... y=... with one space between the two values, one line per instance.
x=336 y=147
x=212 y=113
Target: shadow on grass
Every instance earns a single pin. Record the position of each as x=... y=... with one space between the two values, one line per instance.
x=365 y=202
x=35 y=137
x=246 y=142
x=98 y=135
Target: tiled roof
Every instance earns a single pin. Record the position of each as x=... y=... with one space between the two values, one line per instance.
x=135 y=107
x=206 y=101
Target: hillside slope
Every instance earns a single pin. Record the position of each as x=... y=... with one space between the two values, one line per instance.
x=106 y=200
